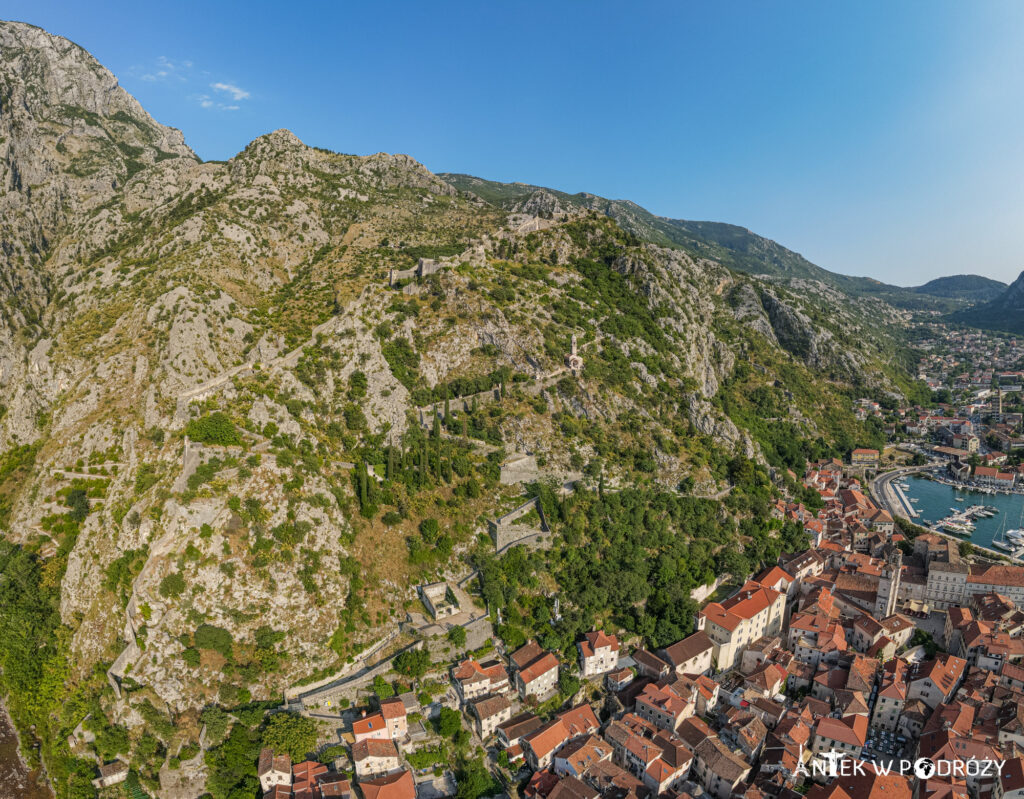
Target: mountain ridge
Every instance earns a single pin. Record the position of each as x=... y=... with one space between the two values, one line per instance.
x=1004 y=312
x=732 y=245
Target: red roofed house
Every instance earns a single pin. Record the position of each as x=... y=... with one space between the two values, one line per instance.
x=892 y=695
x=777 y=579
x=753 y=612
x=670 y=770
x=334 y=786
x=540 y=746
x=536 y=672
x=273 y=770
x=372 y=726
x=473 y=680
x=987 y=475
x=663 y=707
x=937 y=680
x=1010 y=783
x=375 y=758
x=394 y=786
x=579 y=720
x=393 y=711
x=578 y=756
x=619 y=679
x=846 y=735
x=599 y=653
x=305 y=778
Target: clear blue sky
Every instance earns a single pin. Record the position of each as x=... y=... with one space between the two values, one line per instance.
x=876 y=138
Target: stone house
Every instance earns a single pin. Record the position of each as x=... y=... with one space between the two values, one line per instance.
x=599 y=653
x=488 y=713
x=375 y=758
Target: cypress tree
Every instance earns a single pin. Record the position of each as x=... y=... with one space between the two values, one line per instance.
x=391 y=463
x=424 y=464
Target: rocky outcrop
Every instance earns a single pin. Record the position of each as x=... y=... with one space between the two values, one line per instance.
x=543 y=204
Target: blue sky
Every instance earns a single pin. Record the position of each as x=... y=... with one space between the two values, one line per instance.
x=876 y=138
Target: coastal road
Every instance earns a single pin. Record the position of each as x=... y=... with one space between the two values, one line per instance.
x=885 y=497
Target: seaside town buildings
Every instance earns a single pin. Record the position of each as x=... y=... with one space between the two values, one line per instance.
x=869 y=646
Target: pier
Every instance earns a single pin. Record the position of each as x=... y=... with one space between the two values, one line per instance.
x=907 y=506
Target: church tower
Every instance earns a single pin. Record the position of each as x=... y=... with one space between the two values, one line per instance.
x=889 y=584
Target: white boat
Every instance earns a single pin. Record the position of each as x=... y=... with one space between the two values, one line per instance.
x=1000 y=542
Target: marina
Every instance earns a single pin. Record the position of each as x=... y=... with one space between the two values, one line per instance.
x=987 y=519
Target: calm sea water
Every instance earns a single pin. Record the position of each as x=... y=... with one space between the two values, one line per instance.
x=934 y=501
x=16 y=781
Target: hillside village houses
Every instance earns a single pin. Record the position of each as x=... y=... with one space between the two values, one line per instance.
x=754 y=612
x=536 y=672
x=814 y=655
x=599 y=653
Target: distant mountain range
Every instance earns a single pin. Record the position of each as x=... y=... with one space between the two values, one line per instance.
x=731 y=245
x=1004 y=312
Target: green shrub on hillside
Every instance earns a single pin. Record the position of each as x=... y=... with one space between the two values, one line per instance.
x=214 y=428
x=207 y=636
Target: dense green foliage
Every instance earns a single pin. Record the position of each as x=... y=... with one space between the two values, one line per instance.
x=208 y=636
x=33 y=666
x=412 y=662
x=214 y=428
x=631 y=557
x=291 y=734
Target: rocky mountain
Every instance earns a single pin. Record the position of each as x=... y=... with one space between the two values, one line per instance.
x=1004 y=312
x=970 y=288
x=732 y=246
x=247 y=407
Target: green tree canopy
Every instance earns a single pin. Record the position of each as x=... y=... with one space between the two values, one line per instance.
x=214 y=428
x=292 y=734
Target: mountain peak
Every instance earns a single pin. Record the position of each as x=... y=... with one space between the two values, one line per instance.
x=53 y=79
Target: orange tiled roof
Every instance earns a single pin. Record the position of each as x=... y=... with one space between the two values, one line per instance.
x=394 y=786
